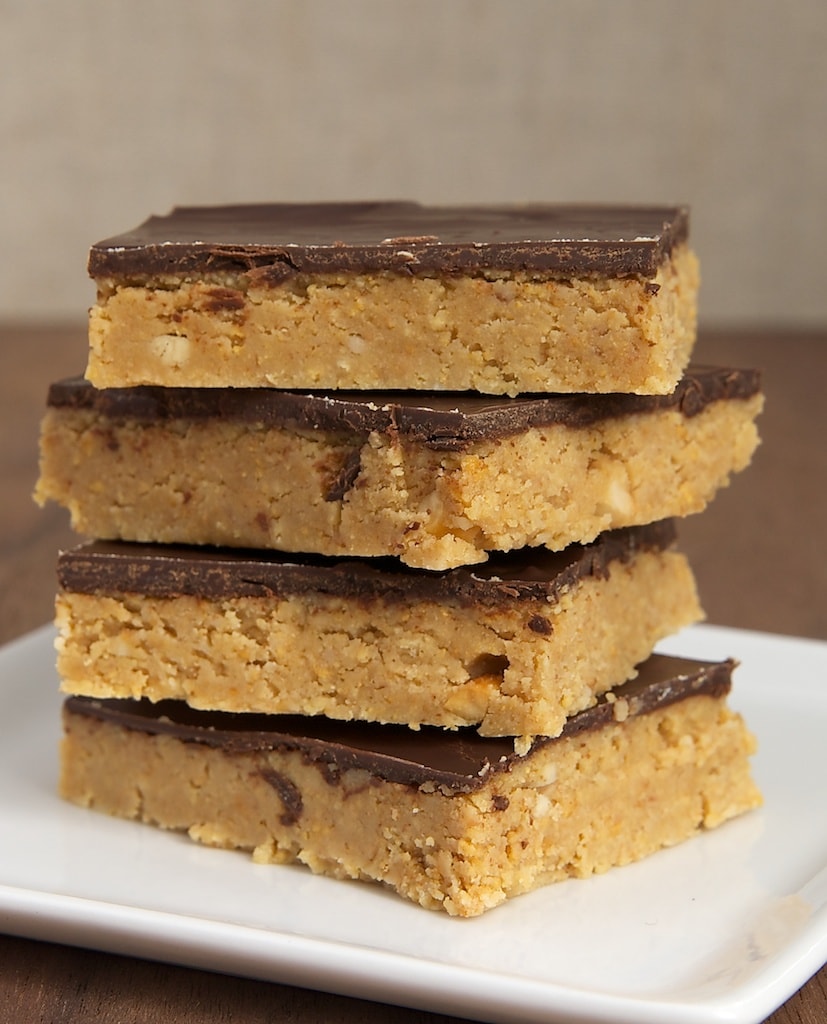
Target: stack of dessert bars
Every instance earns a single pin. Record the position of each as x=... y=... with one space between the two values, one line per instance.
x=381 y=506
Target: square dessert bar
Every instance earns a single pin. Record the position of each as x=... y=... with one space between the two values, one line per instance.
x=436 y=480
x=512 y=649
x=450 y=820
x=395 y=295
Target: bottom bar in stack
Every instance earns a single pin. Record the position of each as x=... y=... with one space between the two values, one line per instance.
x=449 y=819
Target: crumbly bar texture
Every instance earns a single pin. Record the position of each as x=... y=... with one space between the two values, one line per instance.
x=498 y=300
x=506 y=661
x=224 y=481
x=500 y=334
x=597 y=797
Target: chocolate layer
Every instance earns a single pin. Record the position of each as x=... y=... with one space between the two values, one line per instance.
x=532 y=574
x=458 y=761
x=444 y=421
x=274 y=241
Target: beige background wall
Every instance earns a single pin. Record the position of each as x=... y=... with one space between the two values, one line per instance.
x=112 y=110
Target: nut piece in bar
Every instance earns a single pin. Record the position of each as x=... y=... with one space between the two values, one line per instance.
x=395 y=295
x=512 y=649
x=450 y=820
x=436 y=480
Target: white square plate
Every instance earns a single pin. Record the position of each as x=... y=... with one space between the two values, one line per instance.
x=722 y=928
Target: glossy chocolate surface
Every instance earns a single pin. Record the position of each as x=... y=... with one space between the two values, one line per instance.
x=443 y=421
x=274 y=241
x=530 y=574
x=456 y=761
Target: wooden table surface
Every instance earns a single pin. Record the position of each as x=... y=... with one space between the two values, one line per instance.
x=758 y=553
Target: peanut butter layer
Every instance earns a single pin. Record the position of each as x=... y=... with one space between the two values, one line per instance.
x=436 y=481
x=449 y=820
x=512 y=651
x=501 y=300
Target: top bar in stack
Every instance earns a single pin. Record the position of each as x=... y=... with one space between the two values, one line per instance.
x=395 y=295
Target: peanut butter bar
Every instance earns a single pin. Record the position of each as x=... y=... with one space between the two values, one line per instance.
x=512 y=649
x=394 y=295
x=436 y=480
x=449 y=820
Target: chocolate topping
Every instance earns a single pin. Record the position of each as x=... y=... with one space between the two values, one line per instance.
x=531 y=574
x=456 y=761
x=443 y=421
x=289 y=794
x=274 y=241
